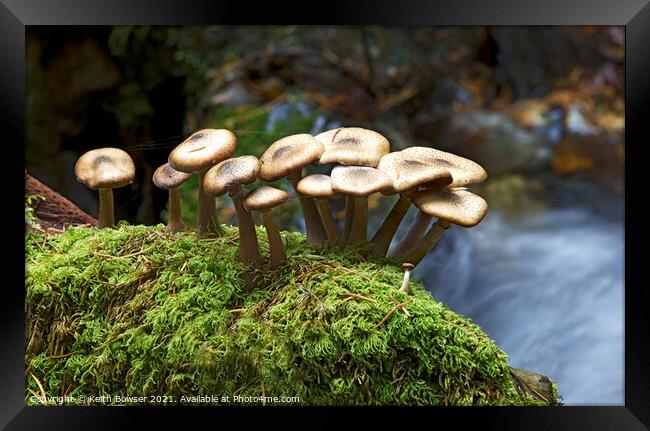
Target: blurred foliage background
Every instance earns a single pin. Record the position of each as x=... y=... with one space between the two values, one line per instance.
x=542 y=99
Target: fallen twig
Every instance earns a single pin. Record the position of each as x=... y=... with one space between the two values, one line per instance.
x=61 y=356
x=357 y=296
x=40 y=386
x=390 y=313
x=408 y=314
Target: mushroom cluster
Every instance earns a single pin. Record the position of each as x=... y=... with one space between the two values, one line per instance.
x=436 y=182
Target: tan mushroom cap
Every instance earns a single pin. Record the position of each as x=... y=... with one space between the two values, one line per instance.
x=316 y=185
x=105 y=168
x=289 y=154
x=359 y=180
x=264 y=198
x=457 y=206
x=327 y=136
x=203 y=149
x=167 y=177
x=353 y=146
x=230 y=173
x=408 y=172
x=464 y=171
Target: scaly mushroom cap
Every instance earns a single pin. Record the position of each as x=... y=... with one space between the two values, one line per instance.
x=359 y=180
x=167 y=177
x=317 y=185
x=327 y=136
x=105 y=168
x=230 y=173
x=464 y=171
x=408 y=172
x=353 y=146
x=288 y=154
x=203 y=149
x=457 y=206
x=264 y=198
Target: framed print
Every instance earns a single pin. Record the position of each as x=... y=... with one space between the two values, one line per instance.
x=239 y=209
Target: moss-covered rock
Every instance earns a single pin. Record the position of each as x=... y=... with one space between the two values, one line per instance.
x=136 y=312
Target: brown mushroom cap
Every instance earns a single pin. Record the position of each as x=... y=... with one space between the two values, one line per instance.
x=288 y=154
x=408 y=172
x=203 y=149
x=464 y=171
x=359 y=180
x=105 y=168
x=264 y=198
x=457 y=206
x=230 y=173
x=353 y=146
x=316 y=185
x=327 y=136
x=167 y=177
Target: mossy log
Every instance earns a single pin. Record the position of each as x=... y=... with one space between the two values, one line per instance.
x=134 y=311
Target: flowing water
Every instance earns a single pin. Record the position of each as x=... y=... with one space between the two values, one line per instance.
x=547 y=287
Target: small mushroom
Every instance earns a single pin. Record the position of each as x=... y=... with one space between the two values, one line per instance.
x=451 y=206
x=105 y=169
x=359 y=182
x=229 y=176
x=168 y=178
x=407 y=267
x=463 y=171
x=263 y=199
x=408 y=174
x=287 y=157
x=319 y=187
x=199 y=152
x=353 y=146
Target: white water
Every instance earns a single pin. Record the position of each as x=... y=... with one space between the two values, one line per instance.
x=548 y=289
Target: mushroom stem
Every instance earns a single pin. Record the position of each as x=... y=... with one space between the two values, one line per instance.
x=208 y=221
x=359 y=229
x=314 y=228
x=276 y=248
x=328 y=221
x=416 y=253
x=407 y=276
x=249 y=250
x=386 y=231
x=174 y=216
x=415 y=232
x=349 y=215
x=106 y=213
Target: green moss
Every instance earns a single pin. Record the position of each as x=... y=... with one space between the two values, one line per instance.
x=30 y=216
x=556 y=394
x=135 y=312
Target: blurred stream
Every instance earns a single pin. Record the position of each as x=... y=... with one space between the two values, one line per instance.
x=547 y=287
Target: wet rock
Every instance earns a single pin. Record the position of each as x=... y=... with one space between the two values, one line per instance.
x=515 y=194
x=490 y=138
x=81 y=68
x=595 y=154
x=234 y=95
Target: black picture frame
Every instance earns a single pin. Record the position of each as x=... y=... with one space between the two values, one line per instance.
x=633 y=14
